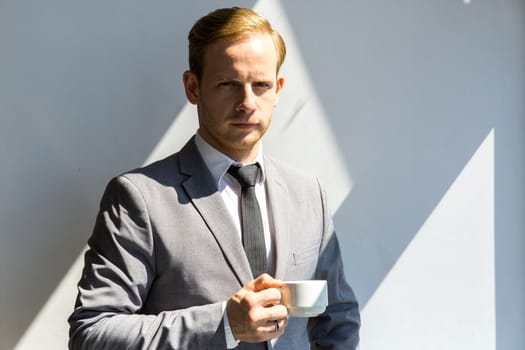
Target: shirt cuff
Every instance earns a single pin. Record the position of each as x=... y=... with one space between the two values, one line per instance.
x=231 y=342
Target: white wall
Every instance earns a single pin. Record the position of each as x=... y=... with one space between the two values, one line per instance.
x=414 y=112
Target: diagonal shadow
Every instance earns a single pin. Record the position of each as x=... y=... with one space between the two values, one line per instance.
x=406 y=114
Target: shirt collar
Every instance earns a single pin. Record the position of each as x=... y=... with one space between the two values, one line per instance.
x=218 y=163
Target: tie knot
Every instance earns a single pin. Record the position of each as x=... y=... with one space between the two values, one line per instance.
x=245 y=175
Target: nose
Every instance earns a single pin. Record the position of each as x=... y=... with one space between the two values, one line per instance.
x=246 y=100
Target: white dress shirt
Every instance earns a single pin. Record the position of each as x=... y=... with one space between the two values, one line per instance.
x=230 y=190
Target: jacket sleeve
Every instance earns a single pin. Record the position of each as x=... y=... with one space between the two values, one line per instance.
x=338 y=326
x=118 y=273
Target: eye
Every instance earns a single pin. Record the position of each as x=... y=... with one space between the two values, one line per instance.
x=262 y=85
x=227 y=84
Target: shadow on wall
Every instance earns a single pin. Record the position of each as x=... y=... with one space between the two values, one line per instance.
x=406 y=112
x=87 y=90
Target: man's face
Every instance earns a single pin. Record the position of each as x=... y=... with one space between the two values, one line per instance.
x=236 y=94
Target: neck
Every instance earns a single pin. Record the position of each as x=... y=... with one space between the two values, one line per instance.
x=244 y=155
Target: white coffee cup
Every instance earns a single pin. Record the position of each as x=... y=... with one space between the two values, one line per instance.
x=307 y=298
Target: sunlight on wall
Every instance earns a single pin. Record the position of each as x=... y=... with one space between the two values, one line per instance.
x=49 y=329
x=301 y=132
x=440 y=294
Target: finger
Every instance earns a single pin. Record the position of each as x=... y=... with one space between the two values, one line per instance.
x=283 y=323
x=276 y=312
x=260 y=315
x=266 y=297
x=275 y=327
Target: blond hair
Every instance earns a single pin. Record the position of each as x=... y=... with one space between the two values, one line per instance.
x=229 y=24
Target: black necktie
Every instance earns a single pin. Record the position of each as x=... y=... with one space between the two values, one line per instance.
x=251 y=221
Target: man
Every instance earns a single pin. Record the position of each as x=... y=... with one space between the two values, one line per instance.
x=174 y=262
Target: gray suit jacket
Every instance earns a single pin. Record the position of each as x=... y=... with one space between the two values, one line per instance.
x=164 y=255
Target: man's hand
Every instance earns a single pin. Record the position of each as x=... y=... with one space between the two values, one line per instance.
x=254 y=308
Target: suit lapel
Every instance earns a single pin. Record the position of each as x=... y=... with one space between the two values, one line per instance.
x=208 y=202
x=277 y=199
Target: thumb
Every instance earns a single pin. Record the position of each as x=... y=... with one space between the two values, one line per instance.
x=266 y=281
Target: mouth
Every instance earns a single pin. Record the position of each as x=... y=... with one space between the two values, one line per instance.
x=244 y=126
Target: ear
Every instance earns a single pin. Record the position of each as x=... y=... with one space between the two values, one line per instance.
x=191 y=87
x=278 y=88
